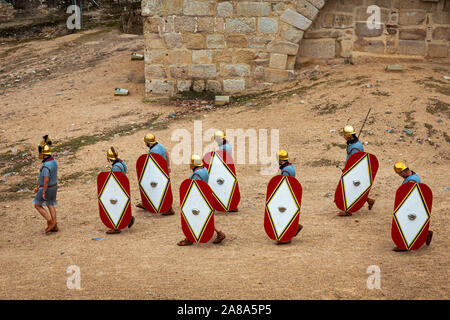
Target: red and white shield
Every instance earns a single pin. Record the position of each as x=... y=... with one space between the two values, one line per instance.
x=283 y=201
x=412 y=212
x=114 y=200
x=222 y=180
x=154 y=183
x=356 y=181
x=197 y=213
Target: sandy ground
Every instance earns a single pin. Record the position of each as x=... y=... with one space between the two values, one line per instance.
x=327 y=260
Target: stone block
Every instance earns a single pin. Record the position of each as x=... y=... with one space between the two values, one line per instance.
x=179 y=71
x=199 y=86
x=408 y=17
x=283 y=47
x=203 y=71
x=438 y=50
x=267 y=25
x=153 y=41
x=184 y=85
x=235 y=70
x=307 y=9
x=206 y=24
x=295 y=19
x=240 y=25
x=155 y=71
x=278 y=61
x=152 y=8
x=184 y=24
x=441 y=17
x=236 y=41
x=233 y=85
x=411 y=47
x=244 y=56
x=321 y=49
x=215 y=41
x=155 y=56
x=181 y=56
x=290 y=64
x=257 y=42
x=317 y=3
x=372 y=46
x=225 y=9
x=292 y=34
x=173 y=40
x=441 y=33
x=213 y=86
x=343 y=21
x=412 y=34
x=199 y=8
x=194 y=40
x=160 y=87
x=362 y=30
x=202 y=56
x=253 y=9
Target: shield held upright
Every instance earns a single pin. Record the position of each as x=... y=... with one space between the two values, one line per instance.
x=283 y=201
x=114 y=200
x=412 y=213
x=222 y=180
x=154 y=183
x=197 y=213
x=356 y=181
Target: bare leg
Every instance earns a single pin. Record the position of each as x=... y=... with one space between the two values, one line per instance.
x=220 y=236
x=52 y=210
x=43 y=212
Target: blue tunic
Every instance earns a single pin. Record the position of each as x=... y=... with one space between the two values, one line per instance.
x=200 y=174
x=412 y=178
x=354 y=148
x=119 y=167
x=49 y=169
x=289 y=170
x=226 y=147
x=159 y=149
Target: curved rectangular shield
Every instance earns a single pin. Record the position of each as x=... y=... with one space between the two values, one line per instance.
x=114 y=202
x=283 y=201
x=222 y=180
x=412 y=213
x=356 y=181
x=154 y=183
x=197 y=213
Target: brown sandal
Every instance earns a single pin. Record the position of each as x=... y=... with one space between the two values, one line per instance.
x=50 y=226
x=283 y=242
x=113 y=231
x=185 y=242
x=344 y=214
x=131 y=222
x=140 y=206
x=219 y=238
x=55 y=228
x=168 y=213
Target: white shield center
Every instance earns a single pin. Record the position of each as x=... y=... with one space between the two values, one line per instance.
x=114 y=200
x=282 y=208
x=196 y=211
x=221 y=180
x=154 y=183
x=356 y=182
x=412 y=216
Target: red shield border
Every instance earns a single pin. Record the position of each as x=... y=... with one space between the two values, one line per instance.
x=123 y=182
x=340 y=194
x=161 y=163
x=400 y=197
x=235 y=196
x=206 y=192
x=296 y=192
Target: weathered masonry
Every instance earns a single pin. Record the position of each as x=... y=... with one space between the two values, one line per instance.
x=229 y=46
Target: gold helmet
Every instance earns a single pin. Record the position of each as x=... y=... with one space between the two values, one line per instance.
x=150 y=138
x=399 y=167
x=112 y=154
x=283 y=155
x=196 y=161
x=219 y=135
x=348 y=131
x=44 y=147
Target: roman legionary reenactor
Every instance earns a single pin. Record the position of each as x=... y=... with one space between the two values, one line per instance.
x=220 y=138
x=287 y=169
x=424 y=195
x=154 y=147
x=354 y=146
x=199 y=172
x=117 y=165
x=47 y=185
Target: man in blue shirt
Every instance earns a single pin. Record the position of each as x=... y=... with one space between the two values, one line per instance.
x=199 y=172
x=409 y=176
x=220 y=138
x=287 y=169
x=47 y=185
x=354 y=146
x=157 y=148
x=117 y=165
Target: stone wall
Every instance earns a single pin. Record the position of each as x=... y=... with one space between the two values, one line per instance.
x=408 y=27
x=7 y=11
x=230 y=46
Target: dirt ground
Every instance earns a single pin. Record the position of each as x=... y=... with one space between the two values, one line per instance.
x=73 y=101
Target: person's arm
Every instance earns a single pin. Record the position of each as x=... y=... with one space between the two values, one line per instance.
x=168 y=161
x=46 y=180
